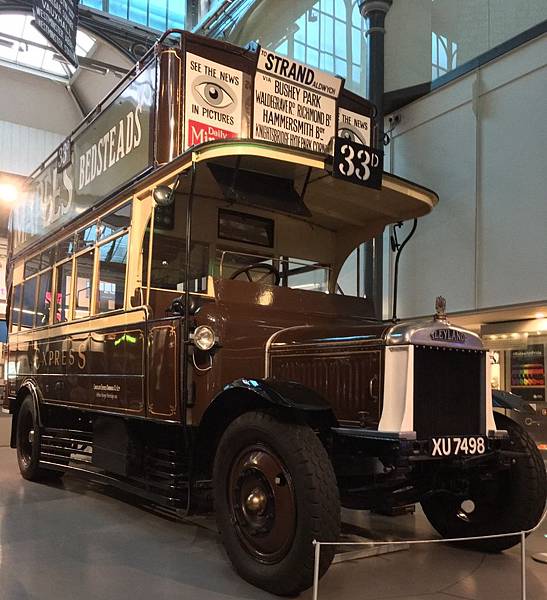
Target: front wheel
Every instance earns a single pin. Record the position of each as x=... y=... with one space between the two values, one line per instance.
x=509 y=501
x=275 y=492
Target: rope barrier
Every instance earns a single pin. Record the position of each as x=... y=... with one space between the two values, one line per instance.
x=522 y=534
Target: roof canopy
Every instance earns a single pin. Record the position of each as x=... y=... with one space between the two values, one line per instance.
x=300 y=184
x=287 y=180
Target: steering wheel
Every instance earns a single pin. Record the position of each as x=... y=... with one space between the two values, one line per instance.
x=270 y=270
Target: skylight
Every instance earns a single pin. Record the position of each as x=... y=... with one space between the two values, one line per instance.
x=23 y=47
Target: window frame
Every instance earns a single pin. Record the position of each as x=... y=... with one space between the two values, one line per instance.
x=108 y=240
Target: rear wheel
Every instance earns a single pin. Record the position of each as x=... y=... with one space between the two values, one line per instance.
x=275 y=492
x=512 y=500
x=28 y=444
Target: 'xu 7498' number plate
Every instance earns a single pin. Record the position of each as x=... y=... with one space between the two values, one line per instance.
x=458 y=446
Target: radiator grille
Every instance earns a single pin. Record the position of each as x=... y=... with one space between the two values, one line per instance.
x=448 y=392
x=343 y=379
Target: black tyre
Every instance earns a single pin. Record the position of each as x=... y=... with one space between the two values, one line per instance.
x=275 y=492
x=513 y=500
x=28 y=444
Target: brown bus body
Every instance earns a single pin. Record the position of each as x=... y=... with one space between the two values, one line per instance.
x=70 y=369
x=179 y=328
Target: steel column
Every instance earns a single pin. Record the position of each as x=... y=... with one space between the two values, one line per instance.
x=374 y=12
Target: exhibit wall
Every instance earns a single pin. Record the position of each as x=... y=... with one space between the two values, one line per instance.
x=426 y=39
x=480 y=142
x=32 y=121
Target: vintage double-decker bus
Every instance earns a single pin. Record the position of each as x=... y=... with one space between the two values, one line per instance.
x=184 y=321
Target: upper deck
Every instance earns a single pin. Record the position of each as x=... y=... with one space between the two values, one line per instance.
x=178 y=99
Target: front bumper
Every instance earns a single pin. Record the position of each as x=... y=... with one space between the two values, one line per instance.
x=377 y=469
x=405 y=442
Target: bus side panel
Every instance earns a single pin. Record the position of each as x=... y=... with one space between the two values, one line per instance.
x=163 y=369
x=113 y=365
x=73 y=381
x=48 y=366
x=101 y=370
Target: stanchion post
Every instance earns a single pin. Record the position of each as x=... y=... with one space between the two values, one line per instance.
x=523 y=565
x=316 y=569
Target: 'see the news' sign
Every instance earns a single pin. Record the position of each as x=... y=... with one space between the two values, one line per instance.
x=358 y=163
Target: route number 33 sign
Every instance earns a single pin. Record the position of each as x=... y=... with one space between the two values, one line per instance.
x=358 y=163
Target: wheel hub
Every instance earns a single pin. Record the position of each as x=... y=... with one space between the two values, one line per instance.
x=256 y=501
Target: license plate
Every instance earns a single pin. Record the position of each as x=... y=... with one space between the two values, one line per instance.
x=467 y=445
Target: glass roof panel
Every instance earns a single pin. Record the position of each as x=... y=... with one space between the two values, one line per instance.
x=23 y=46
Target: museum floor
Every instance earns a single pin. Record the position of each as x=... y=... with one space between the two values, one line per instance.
x=74 y=541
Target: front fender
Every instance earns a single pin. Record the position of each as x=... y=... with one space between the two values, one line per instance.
x=293 y=400
x=284 y=394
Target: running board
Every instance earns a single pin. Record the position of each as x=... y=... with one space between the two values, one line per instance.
x=174 y=504
x=161 y=474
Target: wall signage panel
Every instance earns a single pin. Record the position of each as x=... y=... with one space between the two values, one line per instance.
x=57 y=21
x=528 y=373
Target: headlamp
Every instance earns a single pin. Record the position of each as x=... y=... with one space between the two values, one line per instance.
x=204 y=337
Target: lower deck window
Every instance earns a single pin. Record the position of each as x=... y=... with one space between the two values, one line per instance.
x=64 y=286
x=16 y=308
x=44 y=299
x=112 y=264
x=84 y=285
x=29 y=303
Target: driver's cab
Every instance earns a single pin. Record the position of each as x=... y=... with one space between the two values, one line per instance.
x=232 y=241
x=262 y=216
